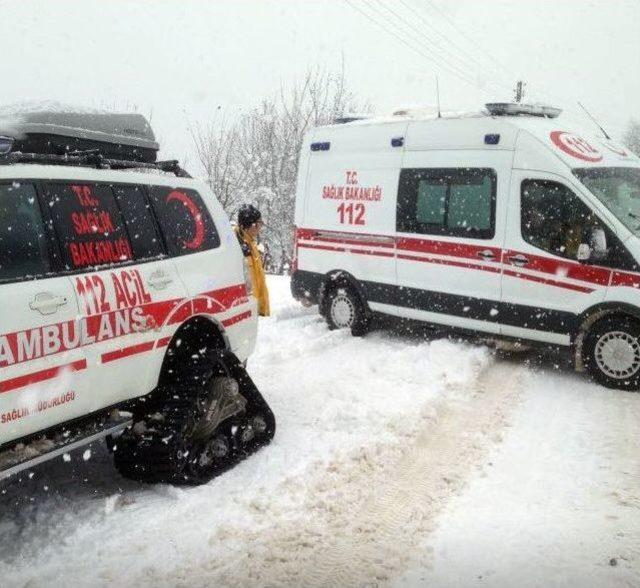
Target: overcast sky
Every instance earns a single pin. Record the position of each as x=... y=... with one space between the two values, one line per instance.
x=182 y=59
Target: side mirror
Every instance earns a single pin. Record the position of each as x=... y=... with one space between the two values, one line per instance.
x=599 y=243
x=584 y=252
x=596 y=249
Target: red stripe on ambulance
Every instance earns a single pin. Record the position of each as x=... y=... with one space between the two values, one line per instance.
x=127 y=351
x=559 y=269
x=236 y=319
x=41 y=376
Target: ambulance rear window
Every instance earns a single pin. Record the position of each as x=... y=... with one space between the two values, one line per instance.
x=88 y=224
x=184 y=219
x=23 y=250
x=138 y=218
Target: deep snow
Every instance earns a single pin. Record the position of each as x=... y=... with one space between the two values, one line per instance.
x=399 y=460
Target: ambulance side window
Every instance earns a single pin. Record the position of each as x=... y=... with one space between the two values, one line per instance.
x=88 y=225
x=138 y=218
x=185 y=221
x=553 y=218
x=23 y=248
x=430 y=206
x=452 y=202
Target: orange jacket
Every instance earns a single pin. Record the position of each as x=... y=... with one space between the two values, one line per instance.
x=256 y=271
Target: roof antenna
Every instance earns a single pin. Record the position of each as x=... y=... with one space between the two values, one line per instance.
x=594 y=121
x=438 y=97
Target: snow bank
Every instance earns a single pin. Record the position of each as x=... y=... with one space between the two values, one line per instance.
x=397 y=460
x=333 y=395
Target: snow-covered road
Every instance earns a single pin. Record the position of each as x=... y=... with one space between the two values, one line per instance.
x=399 y=460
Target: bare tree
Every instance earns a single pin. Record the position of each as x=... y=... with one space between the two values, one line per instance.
x=216 y=146
x=255 y=158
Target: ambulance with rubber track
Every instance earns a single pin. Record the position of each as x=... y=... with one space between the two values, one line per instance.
x=125 y=309
x=508 y=224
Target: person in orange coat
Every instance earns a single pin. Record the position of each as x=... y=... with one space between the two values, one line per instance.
x=248 y=229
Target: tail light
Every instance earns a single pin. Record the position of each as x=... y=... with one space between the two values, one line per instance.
x=294 y=261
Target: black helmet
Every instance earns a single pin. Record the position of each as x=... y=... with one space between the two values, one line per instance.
x=247 y=215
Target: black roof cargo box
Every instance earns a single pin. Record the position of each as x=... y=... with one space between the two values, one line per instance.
x=114 y=136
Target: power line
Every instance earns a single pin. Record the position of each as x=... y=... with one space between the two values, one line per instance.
x=420 y=42
x=409 y=45
x=443 y=36
x=422 y=36
x=404 y=31
x=496 y=62
x=473 y=42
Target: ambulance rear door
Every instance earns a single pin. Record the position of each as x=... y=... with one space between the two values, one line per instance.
x=43 y=368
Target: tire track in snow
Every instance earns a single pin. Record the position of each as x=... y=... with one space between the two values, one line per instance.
x=366 y=518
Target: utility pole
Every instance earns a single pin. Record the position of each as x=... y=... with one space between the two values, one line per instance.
x=519 y=90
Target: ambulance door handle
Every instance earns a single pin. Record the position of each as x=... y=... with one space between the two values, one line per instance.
x=519 y=260
x=487 y=255
x=47 y=302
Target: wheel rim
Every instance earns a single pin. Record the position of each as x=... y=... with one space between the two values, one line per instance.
x=617 y=354
x=343 y=311
x=259 y=424
x=216 y=450
x=223 y=402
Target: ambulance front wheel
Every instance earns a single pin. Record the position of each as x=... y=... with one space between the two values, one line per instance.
x=344 y=309
x=611 y=352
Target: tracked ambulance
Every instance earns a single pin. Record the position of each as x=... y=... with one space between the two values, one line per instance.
x=125 y=307
x=508 y=224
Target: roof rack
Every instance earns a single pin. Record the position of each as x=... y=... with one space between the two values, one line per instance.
x=92 y=158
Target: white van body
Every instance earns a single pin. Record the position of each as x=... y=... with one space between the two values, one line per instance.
x=101 y=370
x=118 y=285
x=367 y=216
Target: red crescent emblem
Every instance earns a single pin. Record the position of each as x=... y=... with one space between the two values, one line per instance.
x=195 y=213
x=575 y=146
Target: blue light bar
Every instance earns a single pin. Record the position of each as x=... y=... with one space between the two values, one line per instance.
x=6 y=143
x=492 y=139
x=518 y=109
x=321 y=146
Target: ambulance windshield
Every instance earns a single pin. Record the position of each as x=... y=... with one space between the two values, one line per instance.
x=618 y=188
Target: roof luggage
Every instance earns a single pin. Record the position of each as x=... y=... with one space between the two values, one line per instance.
x=47 y=132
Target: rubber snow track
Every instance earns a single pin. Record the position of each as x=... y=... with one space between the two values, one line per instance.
x=366 y=517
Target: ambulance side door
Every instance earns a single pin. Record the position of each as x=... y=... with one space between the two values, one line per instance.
x=544 y=286
x=450 y=223
x=43 y=375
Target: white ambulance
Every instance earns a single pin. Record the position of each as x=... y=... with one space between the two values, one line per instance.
x=506 y=224
x=124 y=304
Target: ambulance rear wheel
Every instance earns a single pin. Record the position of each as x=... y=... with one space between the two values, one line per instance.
x=344 y=309
x=611 y=352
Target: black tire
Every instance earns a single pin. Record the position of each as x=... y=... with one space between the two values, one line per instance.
x=175 y=439
x=611 y=352
x=343 y=308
